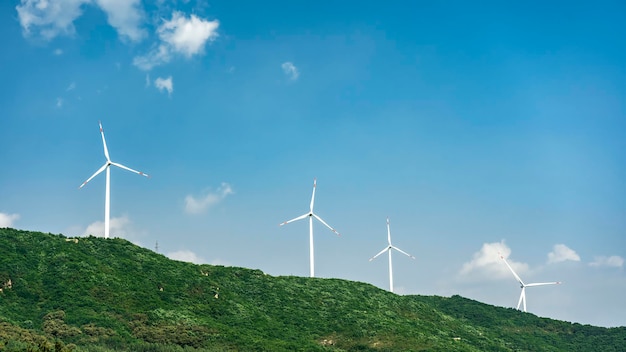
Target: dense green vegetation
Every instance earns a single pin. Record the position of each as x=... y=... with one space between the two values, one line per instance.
x=92 y=294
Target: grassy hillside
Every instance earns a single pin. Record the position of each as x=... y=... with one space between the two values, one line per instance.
x=100 y=295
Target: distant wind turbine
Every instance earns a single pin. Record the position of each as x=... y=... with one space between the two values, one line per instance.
x=311 y=215
x=522 y=297
x=388 y=249
x=107 y=197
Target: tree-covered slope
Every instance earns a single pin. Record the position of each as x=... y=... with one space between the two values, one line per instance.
x=99 y=295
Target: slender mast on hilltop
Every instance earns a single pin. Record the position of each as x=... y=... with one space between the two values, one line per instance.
x=311 y=215
x=388 y=250
x=107 y=196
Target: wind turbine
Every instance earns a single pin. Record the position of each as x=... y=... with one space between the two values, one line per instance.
x=388 y=249
x=107 y=197
x=311 y=215
x=522 y=297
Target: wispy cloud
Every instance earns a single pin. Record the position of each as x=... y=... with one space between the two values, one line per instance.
x=157 y=56
x=58 y=52
x=487 y=264
x=290 y=70
x=199 y=204
x=121 y=227
x=72 y=86
x=182 y=35
x=50 y=18
x=186 y=256
x=164 y=84
x=7 y=220
x=614 y=261
x=59 y=102
x=219 y=261
x=118 y=227
x=126 y=16
x=561 y=253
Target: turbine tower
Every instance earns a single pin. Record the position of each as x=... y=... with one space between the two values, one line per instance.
x=522 y=297
x=106 y=166
x=388 y=249
x=311 y=215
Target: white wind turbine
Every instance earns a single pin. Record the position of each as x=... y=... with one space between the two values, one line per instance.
x=107 y=197
x=311 y=215
x=388 y=249
x=522 y=297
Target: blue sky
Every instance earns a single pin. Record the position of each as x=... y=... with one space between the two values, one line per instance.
x=475 y=128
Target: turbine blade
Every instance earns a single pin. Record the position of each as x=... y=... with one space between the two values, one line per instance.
x=295 y=219
x=544 y=283
x=104 y=142
x=323 y=222
x=313 y=195
x=513 y=271
x=403 y=252
x=95 y=174
x=129 y=169
x=388 y=232
x=379 y=253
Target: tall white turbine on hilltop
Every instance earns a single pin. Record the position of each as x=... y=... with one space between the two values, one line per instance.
x=311 y=215
x=522 y=297
x=388 y=249
x=107 y=197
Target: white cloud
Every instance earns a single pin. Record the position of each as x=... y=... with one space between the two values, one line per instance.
x=487 y=263
x=218 y=261
x=197 y=205
x=56 y=17
x=184 y=35
x=72 y=86
x=125 y=16
x=187 y=35
x=7 y=220
x=58 y=52
x=148 y=80
x=157 y=56
x=180 y=35
x=59 y=102
x=562 y=253
x=51 y=17
x=290 y=70
x=186 y=256
x=401 y=290
x=612 y=261
x=118 y=227
x=164 y=84
x=121 y=227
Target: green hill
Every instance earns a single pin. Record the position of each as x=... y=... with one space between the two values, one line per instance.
x=92 y=294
